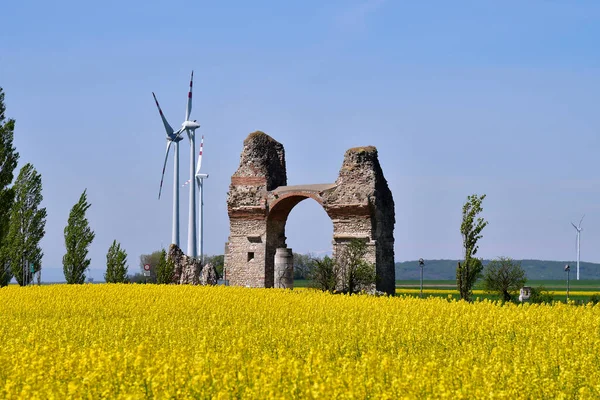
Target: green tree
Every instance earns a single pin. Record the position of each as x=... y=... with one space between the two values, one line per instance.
x=504 y=276
x=152 y=260
x=541 y=295
x=26 y=226
x=323 y=274
x=470 y=269
x=116 y=264
x=8 y=162
x=165 y=269
x=303 y=264
x=78 y=237
x=355 y=274
x=218 y=261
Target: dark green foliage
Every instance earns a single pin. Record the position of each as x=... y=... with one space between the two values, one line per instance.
x=540 y=295
x=323 y=274
x=5 y=273
x=116 y=264
x=218 y=262
x=467 y=273
x=26 y=226
x=504 y=276
x=151 y=259
x=8 y=162
x=355 y=273
x=303 y=264
x=78 y=237
x=470 y=269
x=348 y=273
x=594 y=299
x=165 y=269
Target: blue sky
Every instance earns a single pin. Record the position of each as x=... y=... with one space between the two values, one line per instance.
x=459 y=97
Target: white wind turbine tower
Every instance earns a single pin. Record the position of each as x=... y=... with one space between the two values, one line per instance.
x=172 y=137
x=190 y=128
x=578 y=229
x=200 y=180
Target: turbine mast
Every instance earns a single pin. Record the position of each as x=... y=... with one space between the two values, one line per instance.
x=175 y=235
x=578 y=229
x=201 y=221
x=200 y=178
x=578 y=242
x=192 y=204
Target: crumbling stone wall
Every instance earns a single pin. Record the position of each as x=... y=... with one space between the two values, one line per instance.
x=189 y=271
x=359 y=204
x=262 y=168
x=362 y=207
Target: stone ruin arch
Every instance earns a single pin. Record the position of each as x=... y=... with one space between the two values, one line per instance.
x=359 y=203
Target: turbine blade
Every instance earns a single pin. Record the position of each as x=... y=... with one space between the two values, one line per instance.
x=574 y=226
x=179 y=133
x=581 y=221
x=188 y=110
x=200 y=156
x=186 y=182
x=162 y=116
x=164 y=166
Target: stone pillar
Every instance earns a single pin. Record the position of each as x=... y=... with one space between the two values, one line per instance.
x=261 y=169
x=361 y=206
x=284 y=268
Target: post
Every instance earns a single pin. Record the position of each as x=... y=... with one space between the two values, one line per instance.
x=421 y=264
x=568 y=269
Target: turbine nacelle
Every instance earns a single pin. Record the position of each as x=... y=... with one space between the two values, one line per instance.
x=201 y=176
x=190 y=125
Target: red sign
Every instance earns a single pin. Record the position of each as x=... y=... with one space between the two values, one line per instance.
x=146 y=267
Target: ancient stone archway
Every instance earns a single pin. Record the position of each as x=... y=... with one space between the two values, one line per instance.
x=259 y=201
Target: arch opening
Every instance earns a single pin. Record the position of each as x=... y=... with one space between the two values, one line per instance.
x=309 y=229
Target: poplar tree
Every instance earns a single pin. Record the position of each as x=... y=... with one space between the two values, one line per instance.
x=8 y=163
x=26 y=226
x=78 y=237
x=470 y=269
x=116 y=264
x=165 y=269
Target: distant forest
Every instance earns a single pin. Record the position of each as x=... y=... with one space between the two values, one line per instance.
x=535 y=270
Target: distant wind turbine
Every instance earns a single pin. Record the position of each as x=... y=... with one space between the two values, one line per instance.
x=200 y=181
x=578 y=229
x=190 y=128
x=172 y=137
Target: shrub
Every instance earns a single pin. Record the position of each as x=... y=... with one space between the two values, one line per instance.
x=541 y=295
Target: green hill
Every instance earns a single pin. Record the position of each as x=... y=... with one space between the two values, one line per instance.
x=535 y=270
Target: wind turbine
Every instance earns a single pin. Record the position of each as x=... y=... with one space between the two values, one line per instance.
x=190 y=128
x=172 y=137
x=200 y=181
x=578 y=229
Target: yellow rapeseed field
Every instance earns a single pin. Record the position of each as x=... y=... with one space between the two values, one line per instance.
x=427 y=291
x=156 y=341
